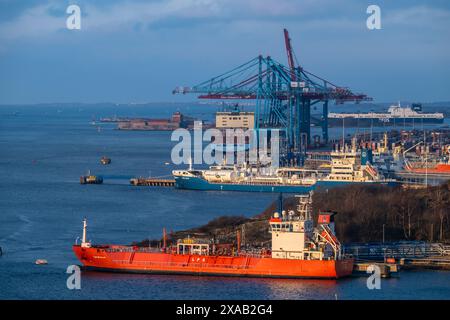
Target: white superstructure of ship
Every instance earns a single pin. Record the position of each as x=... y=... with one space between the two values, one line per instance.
x=351 y=165
x=234 y=174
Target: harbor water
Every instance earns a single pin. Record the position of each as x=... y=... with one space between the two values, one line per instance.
x=43 y=152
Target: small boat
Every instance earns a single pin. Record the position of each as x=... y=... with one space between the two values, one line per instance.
x=91 y=179
x=105 y=160
x=41 y=261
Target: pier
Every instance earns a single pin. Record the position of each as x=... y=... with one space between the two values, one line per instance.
x=386 y=269
x=152 y=182
x=407 y=254
x=436 y=262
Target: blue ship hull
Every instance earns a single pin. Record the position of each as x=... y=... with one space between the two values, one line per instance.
x=196 y=183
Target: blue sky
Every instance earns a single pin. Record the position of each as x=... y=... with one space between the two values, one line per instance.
x=138 y=51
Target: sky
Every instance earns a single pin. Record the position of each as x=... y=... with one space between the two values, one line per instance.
x=136 y=51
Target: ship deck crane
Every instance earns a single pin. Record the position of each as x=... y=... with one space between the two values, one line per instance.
x=405 y=160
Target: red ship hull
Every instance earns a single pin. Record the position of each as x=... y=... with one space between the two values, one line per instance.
x=128 y=260
x=443 y=169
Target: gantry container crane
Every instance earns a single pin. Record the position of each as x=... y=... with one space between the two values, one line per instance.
x=284 y=96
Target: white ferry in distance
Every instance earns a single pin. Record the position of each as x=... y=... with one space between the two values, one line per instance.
x=396 y=114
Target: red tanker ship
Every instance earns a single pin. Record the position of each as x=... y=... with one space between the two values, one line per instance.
x=440 y=167
x=298 y=251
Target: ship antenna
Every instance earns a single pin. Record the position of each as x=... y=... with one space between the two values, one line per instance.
x=280 y=202
x=426 y=157
x=190 y=163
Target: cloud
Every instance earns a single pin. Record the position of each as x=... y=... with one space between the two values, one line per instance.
x=422 y=16
x=129 y=14
x=43 y=20
x=33 y=22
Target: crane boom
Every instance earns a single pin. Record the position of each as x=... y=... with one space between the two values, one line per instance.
x=290 y=54
x=284 y=94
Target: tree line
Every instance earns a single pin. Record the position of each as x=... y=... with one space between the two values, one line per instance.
x=365 y=214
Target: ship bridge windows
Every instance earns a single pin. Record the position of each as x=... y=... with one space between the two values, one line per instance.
x=193 y=248
x=285 y=227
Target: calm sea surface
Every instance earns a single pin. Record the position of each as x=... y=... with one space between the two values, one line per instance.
x=44 y=150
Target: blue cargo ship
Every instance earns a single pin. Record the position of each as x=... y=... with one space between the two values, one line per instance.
x=199 y=183
x=232 y=178
x=347 y=166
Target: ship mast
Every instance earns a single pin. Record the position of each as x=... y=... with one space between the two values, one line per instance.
x=426 y=157
x=84 y=242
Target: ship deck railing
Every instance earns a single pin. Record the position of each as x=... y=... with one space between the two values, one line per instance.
x=404 y=249
x=131 y=249
x=250 y=254
x=182 y=264
x=264 y=183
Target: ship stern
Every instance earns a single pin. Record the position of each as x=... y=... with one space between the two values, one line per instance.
x=344 y=267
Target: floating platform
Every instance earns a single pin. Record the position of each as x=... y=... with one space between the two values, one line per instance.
x=152 y=182
x=386 y=269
